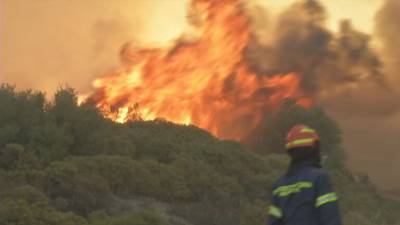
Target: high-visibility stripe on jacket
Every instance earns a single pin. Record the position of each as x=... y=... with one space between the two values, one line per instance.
x=304 y=198
x=325 y=199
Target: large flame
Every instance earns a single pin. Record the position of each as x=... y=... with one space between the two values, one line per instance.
x=207 y=82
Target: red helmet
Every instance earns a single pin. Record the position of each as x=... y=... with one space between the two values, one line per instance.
x=301 y=136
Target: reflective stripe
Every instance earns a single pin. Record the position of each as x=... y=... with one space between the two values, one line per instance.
x=300 y=142
x=324 y=199
x=275 y=211
x=286 y=190
x=307 y=130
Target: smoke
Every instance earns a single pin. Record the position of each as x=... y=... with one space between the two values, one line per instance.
x=342 y=70
x=326 y=61
x=345 y=72
x=388 y=30
x=382 y=139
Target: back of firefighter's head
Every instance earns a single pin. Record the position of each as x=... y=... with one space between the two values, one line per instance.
x=302 y=143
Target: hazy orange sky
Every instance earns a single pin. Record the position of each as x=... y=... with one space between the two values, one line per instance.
x=47 y=43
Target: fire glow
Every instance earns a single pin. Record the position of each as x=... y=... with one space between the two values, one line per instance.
x=206 y=82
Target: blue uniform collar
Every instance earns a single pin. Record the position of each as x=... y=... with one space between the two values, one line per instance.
x=298 y=166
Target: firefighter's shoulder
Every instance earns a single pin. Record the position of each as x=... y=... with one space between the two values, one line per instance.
x=315 y=173
x=321 y=174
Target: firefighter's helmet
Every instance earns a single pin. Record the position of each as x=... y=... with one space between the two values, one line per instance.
x=301 y=136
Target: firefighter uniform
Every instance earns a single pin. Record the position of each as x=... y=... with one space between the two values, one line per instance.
x=304 y=195
x=304 y=198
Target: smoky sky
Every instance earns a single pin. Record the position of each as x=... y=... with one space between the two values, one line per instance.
x=325 y=60
x=387 y=29
x=345 y=72
x=342 y=69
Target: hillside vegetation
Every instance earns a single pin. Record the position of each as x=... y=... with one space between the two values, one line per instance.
x=64 y=164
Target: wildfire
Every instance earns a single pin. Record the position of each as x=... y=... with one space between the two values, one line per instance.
x=206 y=82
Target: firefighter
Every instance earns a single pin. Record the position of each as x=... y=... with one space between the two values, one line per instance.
x=304 y=195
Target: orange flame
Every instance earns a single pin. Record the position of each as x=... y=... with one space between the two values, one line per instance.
x=207 y=82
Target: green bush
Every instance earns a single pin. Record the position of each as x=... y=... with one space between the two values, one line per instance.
x=64 y=163
x=133 y=218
